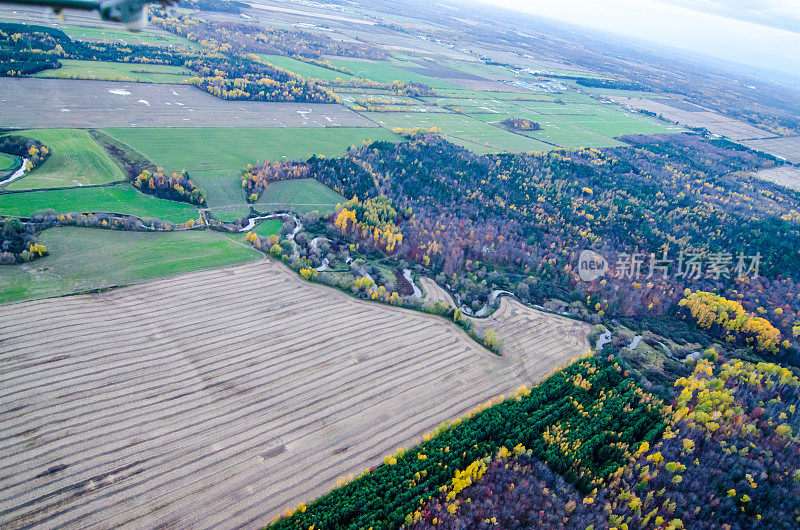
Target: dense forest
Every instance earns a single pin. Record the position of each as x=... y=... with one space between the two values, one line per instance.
x=728 y=459
x=668 y=213
x=246 y=38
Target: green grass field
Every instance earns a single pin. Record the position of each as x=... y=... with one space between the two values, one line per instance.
x=8 y=162
x=75 y=159
x=144 y=37
x=300 y=196
x=269 y=227
x=463 y=130
x=215 y=156
x=390 y=71
x=120 y=198
x=141 y=73
x=83 y=259
x=309 y=71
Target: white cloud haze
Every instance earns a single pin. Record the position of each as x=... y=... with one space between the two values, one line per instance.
x=708 y=28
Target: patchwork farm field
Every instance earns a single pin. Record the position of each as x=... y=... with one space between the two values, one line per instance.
x=120 y=198
x=462 y=130
x=390 y=71
x=219 y=398
x=84 y=259
x=33 y=103
x=694 y=116
x=75 y=160
x=309 y=71
x=218 y=154
x=104 y=70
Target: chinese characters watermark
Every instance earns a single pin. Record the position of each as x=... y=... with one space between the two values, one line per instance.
x=685 y=266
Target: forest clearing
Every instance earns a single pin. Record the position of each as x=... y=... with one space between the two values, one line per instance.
x=219 y=398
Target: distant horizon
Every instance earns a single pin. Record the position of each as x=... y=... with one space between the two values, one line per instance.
x=700 y=31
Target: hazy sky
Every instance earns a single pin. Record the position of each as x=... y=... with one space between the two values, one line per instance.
x=742 y=31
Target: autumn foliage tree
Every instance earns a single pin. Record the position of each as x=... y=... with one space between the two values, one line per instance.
x=177 y=186
x=729 y=321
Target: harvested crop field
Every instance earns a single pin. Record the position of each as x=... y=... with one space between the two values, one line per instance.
x=786 y=175
x=32 y=103
x=433 y=293
x=786 y=147
x=695 y=117
x=220 y=398
x=523 y=329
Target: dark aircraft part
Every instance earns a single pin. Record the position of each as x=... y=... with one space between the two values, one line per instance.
x=130 y=13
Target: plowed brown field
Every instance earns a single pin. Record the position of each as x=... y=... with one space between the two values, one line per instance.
x=220 y=398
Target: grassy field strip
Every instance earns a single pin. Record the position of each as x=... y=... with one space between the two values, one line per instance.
x=150 y=37
x=309 y=71
x=83 y=259
x=75 y=160
x=8 y=162
x=120 y=198
x=386 y=72
x=241 y=398
x=111 y=71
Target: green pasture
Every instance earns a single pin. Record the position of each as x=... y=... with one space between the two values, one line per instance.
x=111 y=71
x=8 y=162
x=389 y=72
x=463 y=130
x=309 y=71
x=75 y=160
x=270 y=227
x=83 y=259
x=215 y=156
x=300 y=196
x=141 y=37
x=119 y=198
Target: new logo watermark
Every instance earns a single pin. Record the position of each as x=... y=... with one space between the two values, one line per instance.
x=684 y=266
x=591 y=265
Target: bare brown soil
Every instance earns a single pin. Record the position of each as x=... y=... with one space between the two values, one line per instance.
x=220 y=398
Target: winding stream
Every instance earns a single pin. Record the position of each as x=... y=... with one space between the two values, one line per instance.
x=285 y=216
x=410 y=279
x=17 y=174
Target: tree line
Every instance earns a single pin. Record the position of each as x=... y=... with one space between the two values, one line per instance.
x=581 y=406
